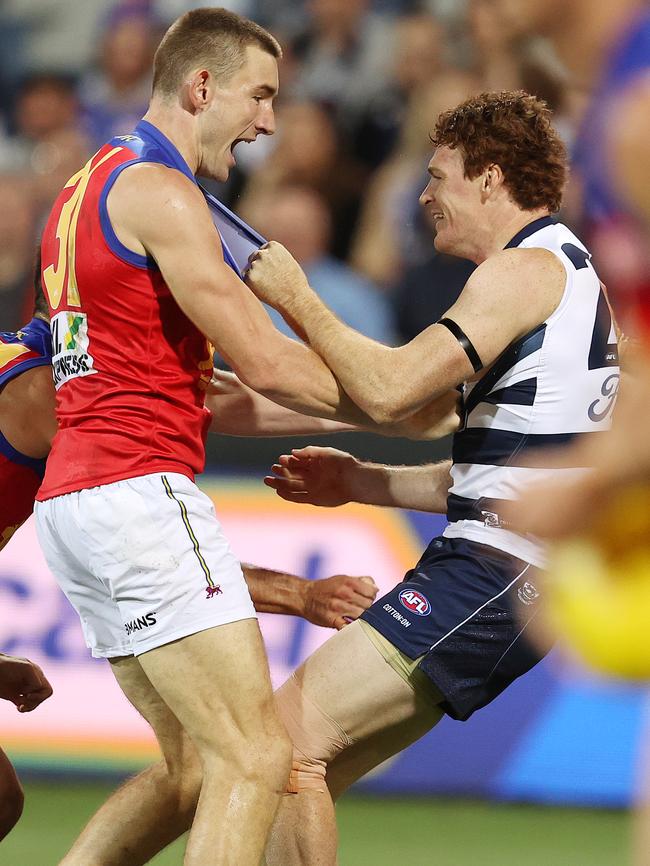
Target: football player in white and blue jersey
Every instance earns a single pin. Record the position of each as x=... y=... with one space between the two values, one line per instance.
x=531 y=346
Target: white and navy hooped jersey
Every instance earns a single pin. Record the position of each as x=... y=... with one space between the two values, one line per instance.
x=557 y=381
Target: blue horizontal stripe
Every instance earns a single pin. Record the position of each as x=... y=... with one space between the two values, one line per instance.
x=491 y=447
x=515 y=352
x=461 y=508
x=521 y=394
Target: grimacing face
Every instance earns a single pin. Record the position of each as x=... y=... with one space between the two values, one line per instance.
x=452 y=201
x=240 y=110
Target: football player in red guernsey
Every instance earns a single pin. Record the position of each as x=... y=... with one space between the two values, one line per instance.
x=27 y=425
x=136 y=281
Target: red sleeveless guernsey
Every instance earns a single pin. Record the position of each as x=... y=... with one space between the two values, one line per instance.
x=129 y=367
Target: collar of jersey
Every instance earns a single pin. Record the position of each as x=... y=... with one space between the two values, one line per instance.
x=529 y=230
x=147 y=131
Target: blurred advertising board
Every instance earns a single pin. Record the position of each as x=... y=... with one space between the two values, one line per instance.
x=557 y=735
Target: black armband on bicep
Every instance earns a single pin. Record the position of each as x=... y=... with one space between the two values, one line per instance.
x=465 y=343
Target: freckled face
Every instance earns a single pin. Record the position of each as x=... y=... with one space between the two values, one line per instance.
x=452 y=201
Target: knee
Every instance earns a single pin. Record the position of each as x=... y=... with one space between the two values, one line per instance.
x=12 y=801
x=185 y=776
x=259 y=751
x=266 y=751
x=316 y=737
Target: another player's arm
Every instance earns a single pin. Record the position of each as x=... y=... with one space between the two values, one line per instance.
x=496 y=307
x=158 y=211
x=330 y=602
x=23 y=683
x=237 y=410
x=329 y=477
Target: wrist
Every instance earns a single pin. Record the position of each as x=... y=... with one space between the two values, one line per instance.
x=301 y=597
x=367 y=482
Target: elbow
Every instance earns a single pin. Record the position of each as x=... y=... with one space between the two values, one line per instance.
x=383 y=410
x=266 y=375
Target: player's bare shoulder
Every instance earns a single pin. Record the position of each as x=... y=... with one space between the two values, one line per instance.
x=527 y=281
x=150 y=201
x=538 y=266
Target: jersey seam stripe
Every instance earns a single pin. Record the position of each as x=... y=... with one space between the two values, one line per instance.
x=479 y=609
x=190 y=531
x=511 y=644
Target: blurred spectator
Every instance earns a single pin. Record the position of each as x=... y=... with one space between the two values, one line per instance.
x=53 y=163
x=418 y=57
x=427 y=291
x=17 y=219
x=168 y=10
x=308 y=152
x=606 y=51
x=48 y=145
x=344 y=54
x=49 y=36
x=115 y=95
x=299 y=219
x=392 y=233
x=496 y=47
x=45 y=106
x=509 y=59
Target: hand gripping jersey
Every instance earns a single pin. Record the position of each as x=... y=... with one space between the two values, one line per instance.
x=130 y=368
x=557 y=381
x=20 y=476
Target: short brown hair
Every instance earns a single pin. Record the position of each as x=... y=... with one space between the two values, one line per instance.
x=212 y=38
x=513 y=130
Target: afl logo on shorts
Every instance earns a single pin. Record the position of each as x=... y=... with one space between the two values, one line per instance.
x=415 y=602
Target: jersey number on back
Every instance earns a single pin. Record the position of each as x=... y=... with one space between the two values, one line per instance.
x=602 y=353
x=54 y=276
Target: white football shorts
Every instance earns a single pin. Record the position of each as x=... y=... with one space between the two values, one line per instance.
x=143 y=561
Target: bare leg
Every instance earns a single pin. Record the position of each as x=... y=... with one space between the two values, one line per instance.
x=217 y=684
x=11 y=796
x=156 y=806
x=216 y=689
x=347 y=709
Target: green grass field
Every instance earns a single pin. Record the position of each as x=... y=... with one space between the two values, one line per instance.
x=374 y=832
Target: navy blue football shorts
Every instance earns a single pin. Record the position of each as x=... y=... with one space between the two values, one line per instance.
x=463 y=611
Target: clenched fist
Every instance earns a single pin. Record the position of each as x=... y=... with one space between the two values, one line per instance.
x=23 y=683
x=276 y=277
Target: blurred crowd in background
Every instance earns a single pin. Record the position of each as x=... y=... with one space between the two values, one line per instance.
x=362 y=82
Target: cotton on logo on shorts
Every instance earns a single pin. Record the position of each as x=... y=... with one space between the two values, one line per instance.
x=415 y=602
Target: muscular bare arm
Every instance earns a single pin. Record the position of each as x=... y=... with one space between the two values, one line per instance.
x=329 y=477
x=331 y=602
x=507 y=296
x=237 y=410
x=158 y=211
